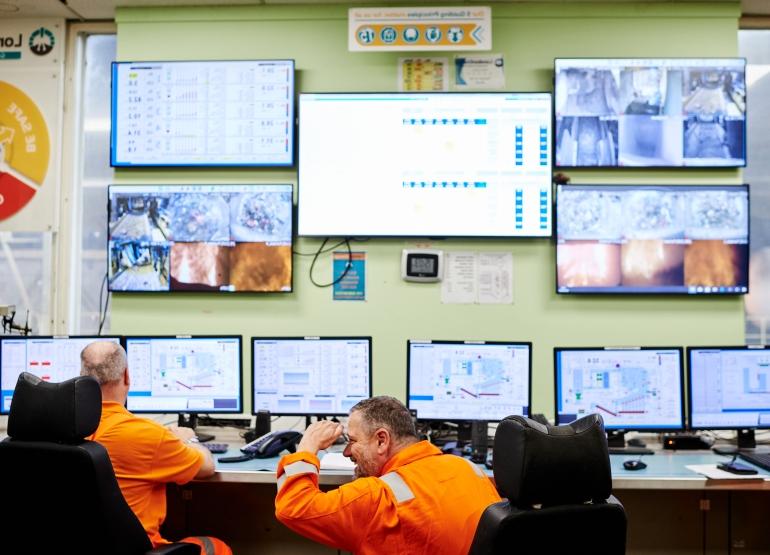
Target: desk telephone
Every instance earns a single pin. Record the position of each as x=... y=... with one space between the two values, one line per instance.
x=268 y=445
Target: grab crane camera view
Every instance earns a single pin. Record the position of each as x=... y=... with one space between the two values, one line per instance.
x=200 y=238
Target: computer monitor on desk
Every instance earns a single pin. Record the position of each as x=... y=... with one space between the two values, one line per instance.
x=729 y=388
x=188 y=375
x=52 y=359
x=304 y=376
x=634 y=389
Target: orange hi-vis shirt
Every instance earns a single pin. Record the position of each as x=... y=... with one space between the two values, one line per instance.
x=145 y=456
x=424 y=503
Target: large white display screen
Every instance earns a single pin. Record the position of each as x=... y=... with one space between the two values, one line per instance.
x=633 y=389
x=729 y=387
x=215 y=113
x=450 y=380
x=425 y=164
x=184 y=374
x=53 y=359
x=311 y=376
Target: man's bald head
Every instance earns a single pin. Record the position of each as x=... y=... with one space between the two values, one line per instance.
x=104 y=360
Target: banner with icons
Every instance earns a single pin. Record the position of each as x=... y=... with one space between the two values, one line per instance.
x=410 y=29
x=31 y=104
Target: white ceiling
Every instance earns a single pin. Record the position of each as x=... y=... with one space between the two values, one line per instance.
x=105 y=9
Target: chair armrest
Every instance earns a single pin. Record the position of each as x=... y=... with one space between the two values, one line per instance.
x=179 y=548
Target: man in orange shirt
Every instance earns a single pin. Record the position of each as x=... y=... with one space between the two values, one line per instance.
x=408 y=497
x=144 y=454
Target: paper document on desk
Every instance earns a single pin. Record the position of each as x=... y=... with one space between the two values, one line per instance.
x=711 y=472
x=336 y=461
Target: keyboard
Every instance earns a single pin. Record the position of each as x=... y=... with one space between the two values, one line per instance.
x=762 y=460
x=216 y=447
x=630 y=451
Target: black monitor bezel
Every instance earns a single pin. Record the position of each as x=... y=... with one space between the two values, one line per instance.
x=620 y=292
x=254 y=339
x=651 y=429
x=410 y=342
x=126 y=339
x=3 y=338
x=354 y=233
x=293 y=116
x=690 y=350
x=681 y=167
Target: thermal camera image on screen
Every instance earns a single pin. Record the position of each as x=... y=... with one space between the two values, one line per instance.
x=639 y=388
x=650 y=112
x=200 y=238
x=468 y=382
x=652 y=239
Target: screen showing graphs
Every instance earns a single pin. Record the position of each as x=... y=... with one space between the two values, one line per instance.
x=52 y=359
x=311 y=375
x=425 y=164
x=457 y=380
x=729 y=387
x=184 y=374
x=633 y=389
x=214 y=113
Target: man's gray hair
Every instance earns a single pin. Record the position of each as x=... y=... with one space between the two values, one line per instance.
x=386 y=412
x=104 y=360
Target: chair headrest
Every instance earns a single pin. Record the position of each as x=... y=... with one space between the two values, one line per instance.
x=63 y=412
x=536 y=464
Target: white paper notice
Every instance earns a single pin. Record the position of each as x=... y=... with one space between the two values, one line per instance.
x=459 y=283
x=479 y=72
x=495 y=278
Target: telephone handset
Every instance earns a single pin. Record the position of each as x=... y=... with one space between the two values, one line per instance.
x=269 y=445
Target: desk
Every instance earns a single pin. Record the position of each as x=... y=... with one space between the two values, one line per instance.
x=671 y=509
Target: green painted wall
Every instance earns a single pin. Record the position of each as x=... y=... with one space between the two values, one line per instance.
x=529 y=36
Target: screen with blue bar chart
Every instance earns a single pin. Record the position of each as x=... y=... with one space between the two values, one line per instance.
x=633 y=389
x=468 y=380
x=425 y=164
x=729 y=387
x=185 y=374
x=52 y=359
x=321 y=376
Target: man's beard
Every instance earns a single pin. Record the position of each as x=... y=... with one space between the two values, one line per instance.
x=364 y=468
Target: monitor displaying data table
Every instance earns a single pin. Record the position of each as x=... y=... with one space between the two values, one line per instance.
x=632 y=388
x=202 y=113
x=469 y=380
x=323 y=376
x=53 y=359
x=185 y=374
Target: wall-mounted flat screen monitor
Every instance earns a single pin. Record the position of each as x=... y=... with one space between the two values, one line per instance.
x=729 y=387
x=202 y=113
x=185 y=374
x=228 y=238
x=650 y=112
x=653 y=239
x=425 y=164
x=310 y=375
x=52 y=359
x=632 y=388
x=469 y=380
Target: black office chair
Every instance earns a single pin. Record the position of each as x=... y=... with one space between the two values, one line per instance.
x=558 y=485
x=59 y=491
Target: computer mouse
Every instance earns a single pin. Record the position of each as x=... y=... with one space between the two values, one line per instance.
x=634 y=464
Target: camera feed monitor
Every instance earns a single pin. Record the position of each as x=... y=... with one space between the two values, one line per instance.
x=650 y=112
x=425 y=164
x=655 y=239
x=310 y=375
x=52 y=359
x=231 y=238
x=192 y=374
x=633 y=389
x=212 y=113
x=729 y=387
x=468 y=380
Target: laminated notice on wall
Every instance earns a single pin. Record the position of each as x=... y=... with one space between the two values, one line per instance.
x=352 y=286
x=423 y=74
x=477 y=278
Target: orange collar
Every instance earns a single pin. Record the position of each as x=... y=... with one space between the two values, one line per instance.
x=408 y=455
x=110 y=407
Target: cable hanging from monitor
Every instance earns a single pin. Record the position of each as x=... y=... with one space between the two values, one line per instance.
x=103 y=307
x=348 y=264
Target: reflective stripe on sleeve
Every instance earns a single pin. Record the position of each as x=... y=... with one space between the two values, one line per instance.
x=396 y=483
x=295 y=468
x=475 y=467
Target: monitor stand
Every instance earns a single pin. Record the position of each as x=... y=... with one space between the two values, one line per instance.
x=746 y=439
x=191 y=421
x=616 y=445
